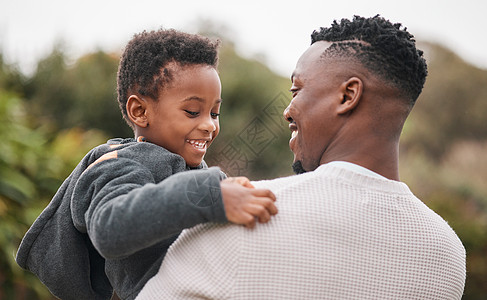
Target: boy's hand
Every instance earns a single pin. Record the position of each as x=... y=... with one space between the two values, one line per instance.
x=243 y=181
x=244 y=204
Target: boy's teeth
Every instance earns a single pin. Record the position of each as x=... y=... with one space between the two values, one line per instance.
x=198 y=144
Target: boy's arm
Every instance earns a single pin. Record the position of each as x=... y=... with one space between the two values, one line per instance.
x=124 y=211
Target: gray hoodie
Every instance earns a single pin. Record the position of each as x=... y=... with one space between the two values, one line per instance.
x=111 y=222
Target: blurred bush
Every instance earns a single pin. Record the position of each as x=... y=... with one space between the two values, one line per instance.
x=33 y=163
x=79 y=95
x=451 y=108
x=49 y=120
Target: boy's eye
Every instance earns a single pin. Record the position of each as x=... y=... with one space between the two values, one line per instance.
x=192 y=113
x=214 y=115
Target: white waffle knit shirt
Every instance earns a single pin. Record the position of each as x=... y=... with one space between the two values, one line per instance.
x=339 y=234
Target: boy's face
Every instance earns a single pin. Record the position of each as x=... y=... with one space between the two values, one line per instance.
x=184 y=120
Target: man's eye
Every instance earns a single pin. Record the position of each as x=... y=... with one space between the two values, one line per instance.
x=192 y=113
x=294 y=92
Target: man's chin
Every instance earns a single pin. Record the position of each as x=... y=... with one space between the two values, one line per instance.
x=298 y=167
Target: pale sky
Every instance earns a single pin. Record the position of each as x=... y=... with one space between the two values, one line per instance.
x=279 y=31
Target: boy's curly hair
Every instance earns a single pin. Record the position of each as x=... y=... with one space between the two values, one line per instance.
x=382 y=47
x=142 y=65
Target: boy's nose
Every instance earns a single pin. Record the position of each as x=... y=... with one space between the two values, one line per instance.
x=208 y=125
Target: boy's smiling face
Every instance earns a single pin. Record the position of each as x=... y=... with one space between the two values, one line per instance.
x=184 y=119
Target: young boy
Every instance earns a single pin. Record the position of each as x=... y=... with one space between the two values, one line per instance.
x=111 y=222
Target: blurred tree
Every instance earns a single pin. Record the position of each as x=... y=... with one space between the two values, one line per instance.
x=81 y=95
x=33 y=164
x=49 y=90
x=11 y=79
x=452 y=106
x=17 y=192
x=95 y=94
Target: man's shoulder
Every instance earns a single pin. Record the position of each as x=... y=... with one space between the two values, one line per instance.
x=286 y=181
x=275 y=184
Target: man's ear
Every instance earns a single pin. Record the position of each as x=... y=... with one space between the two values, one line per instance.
x=351 y=91
x=137 y=111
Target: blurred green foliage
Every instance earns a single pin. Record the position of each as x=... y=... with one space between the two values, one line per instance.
x=33 y=163
x=78 y=95
x=49 y=120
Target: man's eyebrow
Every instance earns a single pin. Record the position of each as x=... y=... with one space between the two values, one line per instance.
x=294 y=76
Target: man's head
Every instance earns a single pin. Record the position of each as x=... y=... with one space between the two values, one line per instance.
x=353 y=88
x=169 y=91
x=383 y=48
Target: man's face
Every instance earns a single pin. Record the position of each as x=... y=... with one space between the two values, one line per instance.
x=184 y=120
x=311 y=113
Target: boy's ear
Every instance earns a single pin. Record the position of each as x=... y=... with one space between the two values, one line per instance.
x=137 y=111
x=351 y=91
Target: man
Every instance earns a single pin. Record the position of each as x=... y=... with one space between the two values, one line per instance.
x=347 y=228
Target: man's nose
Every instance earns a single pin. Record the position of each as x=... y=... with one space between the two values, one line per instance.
x=286 y=114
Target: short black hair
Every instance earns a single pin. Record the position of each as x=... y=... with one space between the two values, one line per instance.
x=142 y=64
x=382 y=47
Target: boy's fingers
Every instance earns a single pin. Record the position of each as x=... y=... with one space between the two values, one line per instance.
x=242 y=180
x=264 y=193
x=249 y=222
x=266 y=203
x=249 y=185
x=259 y=211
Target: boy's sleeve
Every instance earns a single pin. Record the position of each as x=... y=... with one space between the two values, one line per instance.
x=123 y=210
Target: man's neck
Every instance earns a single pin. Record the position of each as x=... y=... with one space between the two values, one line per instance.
x=383 y=161
x=354 y=167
